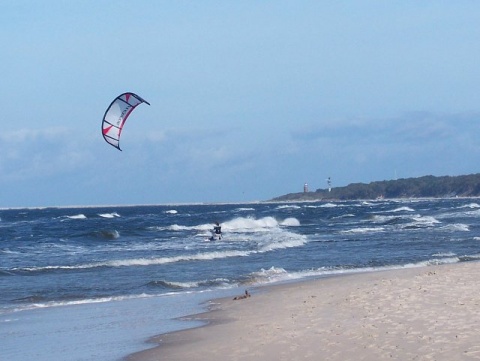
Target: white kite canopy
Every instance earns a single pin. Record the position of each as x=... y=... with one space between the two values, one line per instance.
x=116 y=115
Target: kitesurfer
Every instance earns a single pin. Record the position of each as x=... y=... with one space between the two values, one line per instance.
x=217 y=231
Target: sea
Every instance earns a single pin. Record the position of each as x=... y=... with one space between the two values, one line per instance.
x=95 y=283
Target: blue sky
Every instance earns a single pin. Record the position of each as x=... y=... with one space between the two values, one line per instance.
x=249 y=99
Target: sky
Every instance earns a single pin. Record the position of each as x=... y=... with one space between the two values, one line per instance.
x=249 y=99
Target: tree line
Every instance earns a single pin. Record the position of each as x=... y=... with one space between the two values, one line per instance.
x=421 y=187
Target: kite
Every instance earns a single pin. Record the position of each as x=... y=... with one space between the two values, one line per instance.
x=116 y=115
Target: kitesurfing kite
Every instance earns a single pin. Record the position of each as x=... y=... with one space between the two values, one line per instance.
x=116 y=115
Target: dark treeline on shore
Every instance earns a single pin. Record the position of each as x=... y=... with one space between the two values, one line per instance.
x=421 y=187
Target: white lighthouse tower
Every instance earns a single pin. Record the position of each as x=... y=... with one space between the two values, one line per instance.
x=305 y=188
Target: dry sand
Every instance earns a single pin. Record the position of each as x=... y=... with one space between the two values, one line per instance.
x=430 y=313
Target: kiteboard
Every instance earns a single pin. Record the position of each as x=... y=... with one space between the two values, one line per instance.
x=214 y=237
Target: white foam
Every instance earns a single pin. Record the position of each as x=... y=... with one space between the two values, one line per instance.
x=177 y=227
x=293 y=206
x=192 y=284
x=287 y=243
x=471 y=205
x=445 y=254
x=78 y=216
x=85 y=301
x=239 y=224
x=328 y=205
x=456 y=227
x=273 y=274
x=109 y=215
x=434 y=262
x=403 y=209
x=364 y=230
x=348 y=215
x=250 y=224
x=195 y=284
x=278 y=274
x=425 y=220
x=384 y=219
x=164 y=260
x=474 y=213
x=290 y=222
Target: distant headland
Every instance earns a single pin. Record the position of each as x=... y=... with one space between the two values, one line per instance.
x=421 y=187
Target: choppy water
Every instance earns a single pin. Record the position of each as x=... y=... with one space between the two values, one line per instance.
x=64 y=269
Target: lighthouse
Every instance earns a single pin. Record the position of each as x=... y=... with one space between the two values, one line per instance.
x=305 y=188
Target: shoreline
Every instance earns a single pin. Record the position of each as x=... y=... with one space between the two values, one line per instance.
x=416 y=313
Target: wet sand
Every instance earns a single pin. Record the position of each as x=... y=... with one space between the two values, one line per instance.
x=430 y=313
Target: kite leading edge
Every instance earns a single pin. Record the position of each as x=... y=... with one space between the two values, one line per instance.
x=116 y=115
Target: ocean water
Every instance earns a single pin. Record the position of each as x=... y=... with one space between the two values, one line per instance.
x=93 y=283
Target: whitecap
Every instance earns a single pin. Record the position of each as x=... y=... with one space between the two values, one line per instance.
x=471 y=205
x=109 y=215
x=456 y=227
x=78 y=216
x=176 y=227
x=444 y=254
x=328 y=205
x=239 y=225
x=249 y=224
x=273 y=274
x=384 y=219
x=425 y=220
x=403 y=209
x=286 y=243
x=290 y=222
x=344 y=216
x=364 y=230
x=294 y=206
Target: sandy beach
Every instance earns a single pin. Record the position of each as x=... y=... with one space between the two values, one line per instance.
x=429 y=313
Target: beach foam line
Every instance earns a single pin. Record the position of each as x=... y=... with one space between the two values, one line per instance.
x=49 y=304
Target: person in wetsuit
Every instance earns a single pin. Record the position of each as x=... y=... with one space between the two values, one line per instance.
x=217 y=231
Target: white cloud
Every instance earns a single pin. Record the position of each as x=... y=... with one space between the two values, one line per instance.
x=39 y=153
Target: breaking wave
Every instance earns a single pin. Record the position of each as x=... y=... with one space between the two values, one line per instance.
x=279 y=274
x=363 y=230
x=175 y=285
x=109 y=215
x=77 y=216
x=403 y=209
x=239 y=224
